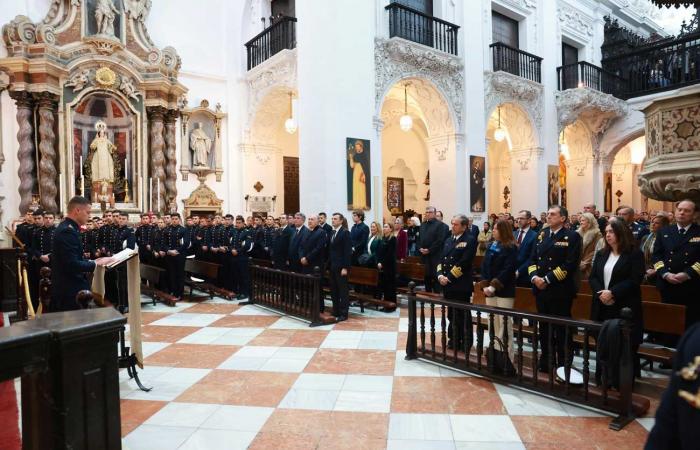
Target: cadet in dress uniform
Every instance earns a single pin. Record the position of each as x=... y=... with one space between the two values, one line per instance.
x=204 y=239
x=143 y=237
x=24 y=231
x=41 y=248
x=676 y=258
x=68 y=267
x=678 y=414
x=176 y=245
x=241 y=243
x=454 y=274
x=104 y=234
x=121 y=237
x=552 y=270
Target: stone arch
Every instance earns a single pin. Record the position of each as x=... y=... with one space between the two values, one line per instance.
x=521 y=128
x=270 y=114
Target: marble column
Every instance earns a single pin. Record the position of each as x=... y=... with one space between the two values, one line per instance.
x=48 y=106
x=25 y=151
x=171 y=156
x=157 y=145
x=4 y=82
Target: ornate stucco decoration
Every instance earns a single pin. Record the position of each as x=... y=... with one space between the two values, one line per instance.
x=396 y=59
x=202 y=199
x=4 y=82
x=502 y=87
x=521 y=4
x=199 y=124
x=574 y=22
x=278 y=72
x=671 y=170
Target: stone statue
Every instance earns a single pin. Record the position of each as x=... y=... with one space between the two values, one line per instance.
x=200 y=144
x=79 y=80
x=105 y=13
x=128 y=89
x=102 y=163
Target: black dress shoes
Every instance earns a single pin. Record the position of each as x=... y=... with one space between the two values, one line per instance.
x=341 y=319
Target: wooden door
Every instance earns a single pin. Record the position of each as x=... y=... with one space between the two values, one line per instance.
x=291 y=184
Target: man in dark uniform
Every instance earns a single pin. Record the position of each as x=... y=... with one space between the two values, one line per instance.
x=24 y=231
x=432 y=239
x=241 y=244
x=68 y=267
x=191 y=231
x=42 y=244
x=678 y=414
x=204 y=239
x=454 y=274
x=300 y=234
x=121 y=237
x=176 y=245
x=638 y=229
x=676 y=258
x=217 y=246
x=104 y=234
x=313 y=249
x=552 y=270
x=340 y=254
x=280 y=250
x=143 y=237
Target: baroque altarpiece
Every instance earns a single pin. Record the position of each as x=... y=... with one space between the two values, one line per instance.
x=97 y=106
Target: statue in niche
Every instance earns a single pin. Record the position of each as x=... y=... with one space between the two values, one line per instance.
x=105 y=13
x=102 y=167
x=200 y=144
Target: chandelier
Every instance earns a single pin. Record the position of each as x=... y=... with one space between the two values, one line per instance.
x=290 y=125
x=500 y=133
x=405 y=122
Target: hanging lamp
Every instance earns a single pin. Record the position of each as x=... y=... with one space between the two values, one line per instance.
x=405 y=122
x=290 y=125
x=499 y=134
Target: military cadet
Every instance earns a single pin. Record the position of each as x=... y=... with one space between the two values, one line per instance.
x=638 y=229
x=41 y=248
x=121 y=237
x=552 y=270
x=143 y=239
x=24 y=230
x=176 y=245
x=68 y=267
x=258 y=235
x=678 y=414
x=249 y=223
x=240 y=245
x=270 y=237
x=454 y=274
x=204 y=238
x=676 y=258
x=104 y=233
x=190 y=230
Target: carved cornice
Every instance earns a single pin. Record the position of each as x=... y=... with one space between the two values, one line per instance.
x=502 y=87
x=526 y=156
x=396 y=59
x=280 y=71
x=575 y=22
x=594 y=108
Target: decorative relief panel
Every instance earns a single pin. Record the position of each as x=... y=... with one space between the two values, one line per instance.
x=681 y=130
x=575 y=22
x=502 y=87
x=396 y=59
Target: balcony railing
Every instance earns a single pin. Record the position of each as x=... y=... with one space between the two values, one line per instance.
x=272 y=40
x=407 y=23
x=660 y=67
x=516 y=62
x=584 y=74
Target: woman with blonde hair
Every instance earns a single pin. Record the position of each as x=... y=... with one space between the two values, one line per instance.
x=591 y=240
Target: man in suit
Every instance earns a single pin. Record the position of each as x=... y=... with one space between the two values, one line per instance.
x=68 y=268
x=280 y=248
x=676 y=258
x=638 y=230
x=473 y=229
x=553 y=264
x=340 y=255
x=454 y=274
x=300 y=233
x=591 y=208
x=175 y=247
x=359 y=234
x=312 y=250
x=432 y=237
x=525 y=240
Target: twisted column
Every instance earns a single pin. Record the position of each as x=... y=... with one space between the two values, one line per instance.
x=47 y=149
x=157 y=144
x=25 y=152
x=171 y=155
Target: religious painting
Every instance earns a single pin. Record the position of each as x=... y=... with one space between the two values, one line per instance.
x=477 y=183
x=359 y=181
x=607 y=200
x=552 y=185
x=562 y=179
x=394 y=195
x=104 y=18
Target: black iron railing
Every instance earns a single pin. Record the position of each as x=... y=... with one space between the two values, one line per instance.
x=407 y=23
x=659 y=67
x=516 y=62
x=272 y=40
x=428 y=334
x=291 y=293
x=584 y=74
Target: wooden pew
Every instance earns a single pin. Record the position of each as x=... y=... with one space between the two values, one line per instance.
x=150 y=275
x=363 y=276
x=650 y=293
x=661 y=318
x=196 y=270
x=411 y=272
x=413 y=260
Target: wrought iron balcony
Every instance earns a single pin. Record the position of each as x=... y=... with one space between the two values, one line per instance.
x=584 y=74
x=407 y=23
x=653 y=68
x=279 y=36
x=516 y=62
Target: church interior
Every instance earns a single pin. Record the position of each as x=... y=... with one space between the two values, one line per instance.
x=195 y=165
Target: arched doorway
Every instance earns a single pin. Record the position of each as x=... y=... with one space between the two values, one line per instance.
x=271 y=156
x=420 y=162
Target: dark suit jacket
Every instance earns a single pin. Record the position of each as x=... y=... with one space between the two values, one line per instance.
x=313 y=248
x=524 y=252
x=387 y=256
x=624 y=284
x=456 y=263
x=498 y=270
x=280 y=249
x=340 y=252
x=68 y=267
x=295 y=244
x=359 y=233
x=474 y=231
x=432 y=236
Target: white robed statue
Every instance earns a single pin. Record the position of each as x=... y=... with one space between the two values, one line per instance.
x=102 y=164
x=200 y=144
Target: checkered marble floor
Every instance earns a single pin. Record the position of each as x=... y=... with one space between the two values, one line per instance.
x=229 y=376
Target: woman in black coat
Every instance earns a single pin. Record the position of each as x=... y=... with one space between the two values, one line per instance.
x=617 y=273
x=387 y=265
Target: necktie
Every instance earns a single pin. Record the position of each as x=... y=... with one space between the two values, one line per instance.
x=334 y=233
x=681 y=231
x=520 y=237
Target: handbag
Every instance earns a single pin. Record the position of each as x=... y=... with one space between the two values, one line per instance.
x=364 y=259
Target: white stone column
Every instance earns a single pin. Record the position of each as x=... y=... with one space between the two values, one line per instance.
x=580 y=183
x=449 y=186
x=527 y=165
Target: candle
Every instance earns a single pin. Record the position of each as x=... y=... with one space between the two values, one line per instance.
x=82 y=186
x=150 y=194
x=158 y=193
x=126 y=168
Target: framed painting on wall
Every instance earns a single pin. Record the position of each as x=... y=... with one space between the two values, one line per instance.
x=359 y=182
x=552 y=185
x=394 y=195
x=607 y=181
x=477 y=183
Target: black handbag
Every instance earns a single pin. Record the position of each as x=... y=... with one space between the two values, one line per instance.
x=364 y=259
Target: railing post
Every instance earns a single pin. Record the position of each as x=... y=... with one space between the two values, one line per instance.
x=45 y=289
x=626 y=415
x=317 y=298
x=411 y=340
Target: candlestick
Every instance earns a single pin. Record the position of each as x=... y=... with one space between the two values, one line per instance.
x=150 y=194
x=126 y=168
x=158 y=193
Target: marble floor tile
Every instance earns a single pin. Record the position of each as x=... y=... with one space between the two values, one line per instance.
x=156 y=437
x=593 y=431
x=162 y=308
x=189 y=320
x=218 y=440
x=291 y=323
x=491 y=446
x=149 y=348
x=423 y=427
x=320 y=382
x=238 y=418
x=135 y=412
x=363 y=401
x=521 y=403
x=368 y=383
x=164 y=333
x=237 y=336
x=368 y=324
x=413 y=368
x=647 y=422
x=361 y=362
x=284 y=365
x=406 y=444
x=192 y=355
x=182 y=414
x=483 y=428
x=248 y=321
x=212 y=308
x=205 y=335
x=252 y=310
x=310 y=399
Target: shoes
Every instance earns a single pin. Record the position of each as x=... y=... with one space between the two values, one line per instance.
x=341 y=319
x=240 y=297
